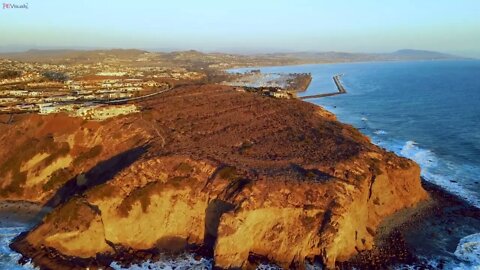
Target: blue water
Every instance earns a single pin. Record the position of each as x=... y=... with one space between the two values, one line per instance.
x=428 y=111
x=14 y=219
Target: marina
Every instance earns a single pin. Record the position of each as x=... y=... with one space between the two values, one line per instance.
x=341 y=89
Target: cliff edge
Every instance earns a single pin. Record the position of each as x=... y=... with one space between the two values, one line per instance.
x=224 y=173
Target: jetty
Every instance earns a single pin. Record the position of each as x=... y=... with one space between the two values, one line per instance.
x=340 y=89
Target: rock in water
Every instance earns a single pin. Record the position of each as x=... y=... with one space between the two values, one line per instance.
x=236 y=175
x=468 y=249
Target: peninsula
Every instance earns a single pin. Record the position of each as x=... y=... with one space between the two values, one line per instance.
x=231 y=167
x=205 y=163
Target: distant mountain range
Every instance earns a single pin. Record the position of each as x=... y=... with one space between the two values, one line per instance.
x=79 y=56
x=408 y=53
x=93 y=56
x=400 y=55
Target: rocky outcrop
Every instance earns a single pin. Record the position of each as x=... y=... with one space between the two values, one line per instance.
x=236 y=175
x=40 y=155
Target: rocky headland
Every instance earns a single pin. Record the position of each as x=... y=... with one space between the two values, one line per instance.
x=231 y=175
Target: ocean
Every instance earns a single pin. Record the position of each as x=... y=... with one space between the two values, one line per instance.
x=428 y=111
x=15 y=218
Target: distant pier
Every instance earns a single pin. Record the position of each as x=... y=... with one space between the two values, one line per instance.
x=340 y=89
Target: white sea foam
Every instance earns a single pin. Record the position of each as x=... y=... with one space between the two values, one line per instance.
x=468 y=249
x=183 y=262
x=187 y=261
x=380 y=132
x=268 y=267
x=438 y=263
x=435 y=170
x=9 y=258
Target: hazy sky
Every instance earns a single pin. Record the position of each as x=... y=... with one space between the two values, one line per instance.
x=247 y=25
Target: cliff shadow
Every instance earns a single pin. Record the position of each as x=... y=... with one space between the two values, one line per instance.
x=99 y=174
x=309 y=174
x=215 y=209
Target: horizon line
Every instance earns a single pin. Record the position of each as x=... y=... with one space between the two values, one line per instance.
x=259 y=51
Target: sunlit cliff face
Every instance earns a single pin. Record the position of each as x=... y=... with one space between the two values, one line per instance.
x=228 y=172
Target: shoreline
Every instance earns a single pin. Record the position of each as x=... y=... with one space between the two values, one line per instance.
x=398 y=230
x=403 y=237
x=393 y=247
x=352 y=62
x=28 y=213
x=340 y=145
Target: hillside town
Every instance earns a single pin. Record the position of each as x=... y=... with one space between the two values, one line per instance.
x=101 y=84
x=81 y=89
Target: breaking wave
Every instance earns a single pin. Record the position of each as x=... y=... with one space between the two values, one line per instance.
x=436 y=170
x=183 y=262
x=468 y=250
x=9 y=258
x=380 y=132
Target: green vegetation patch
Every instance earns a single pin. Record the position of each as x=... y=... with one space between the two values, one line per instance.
x=184 y=168
x=141 y=195
x=55 y=76
x=90 y=154
x=62 y=150
x=102 y=192
x=10 y=74
x=308 y=221
x=75 y=214
x=404 y=163
x=228 y=173
x=26 y=152
x=144 y=194
x=375 y=166
x=57 y=179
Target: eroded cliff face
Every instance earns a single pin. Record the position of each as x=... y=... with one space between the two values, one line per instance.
x=237 y=175
x=41 y=154
x=335 y=219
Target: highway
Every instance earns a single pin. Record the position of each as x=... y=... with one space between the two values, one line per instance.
x=107 y=102
x=125 y=100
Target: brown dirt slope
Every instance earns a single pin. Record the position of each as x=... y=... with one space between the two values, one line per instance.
x=240 y=175
x=45 y=159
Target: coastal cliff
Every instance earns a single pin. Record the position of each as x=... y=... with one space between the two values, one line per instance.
x=227 y=174
x=47 y=158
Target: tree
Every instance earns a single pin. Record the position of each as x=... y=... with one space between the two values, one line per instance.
x=55 y=76
x=10 y=74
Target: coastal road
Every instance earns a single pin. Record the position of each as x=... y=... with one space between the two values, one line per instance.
x=109 y=102
x=125 y=100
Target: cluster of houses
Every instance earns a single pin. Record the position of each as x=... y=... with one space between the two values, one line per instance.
x=82 y=87
x=96 y=88
x=75 y=96
x=273 y=92
x=26 y=77
x=123 y=85
x=89 y=111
